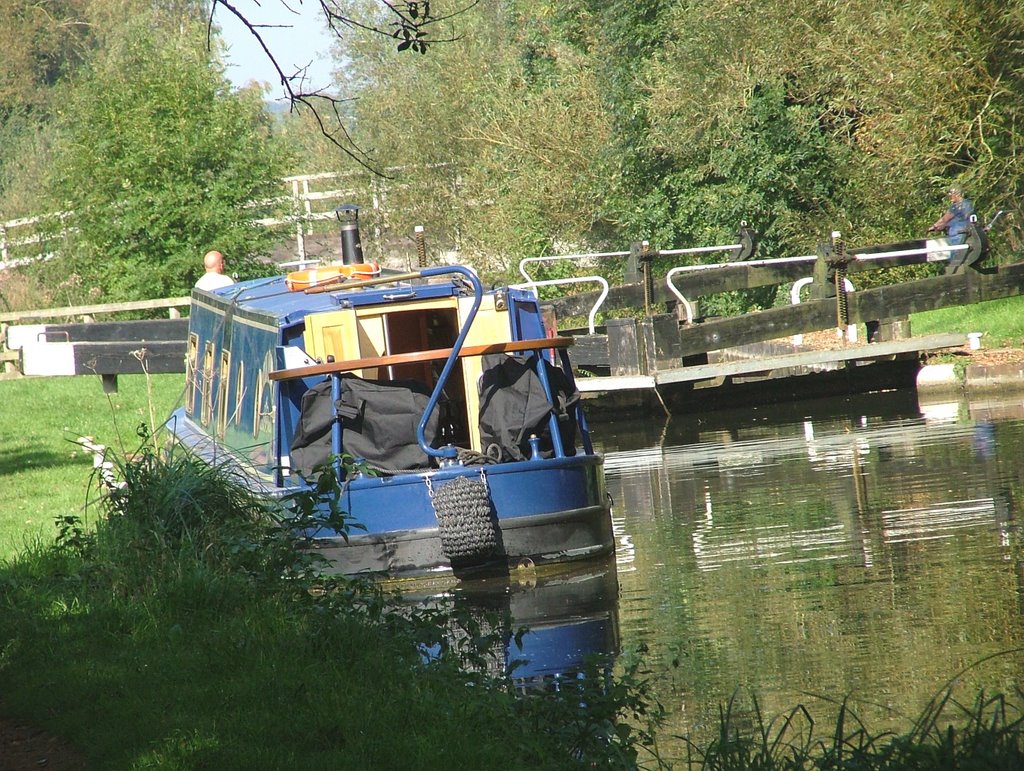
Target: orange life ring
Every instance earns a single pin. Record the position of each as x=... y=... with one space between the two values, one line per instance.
x=327 y=274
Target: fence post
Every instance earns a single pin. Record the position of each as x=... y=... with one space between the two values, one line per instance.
x=634 y=268
x=661 y=342
x=9 y=364
x=300 y=242
x=824 y=285
x=378 y=192
x=627 y=349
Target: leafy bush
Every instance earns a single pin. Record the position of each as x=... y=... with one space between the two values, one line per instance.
x=212 y=601
x=158 y=163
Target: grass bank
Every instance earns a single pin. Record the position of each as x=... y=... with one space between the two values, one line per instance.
x=186 y=629
x=43 y=470
x=1000 y=321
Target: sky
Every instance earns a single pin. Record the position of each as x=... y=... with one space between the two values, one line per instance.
x=306 y=42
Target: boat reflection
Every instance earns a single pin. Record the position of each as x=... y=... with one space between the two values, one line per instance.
x=546 y=623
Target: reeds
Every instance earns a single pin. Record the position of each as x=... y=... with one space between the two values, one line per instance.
x=986 y=734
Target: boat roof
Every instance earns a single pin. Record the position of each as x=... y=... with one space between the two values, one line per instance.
x=271 y=297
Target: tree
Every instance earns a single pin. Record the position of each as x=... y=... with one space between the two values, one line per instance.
x=495 y=144
x=413 y=25
x=158 y=161
x=41 y=42
x=672 y=121
x=909 y=96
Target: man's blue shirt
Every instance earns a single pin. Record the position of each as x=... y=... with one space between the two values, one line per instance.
x=961 y=211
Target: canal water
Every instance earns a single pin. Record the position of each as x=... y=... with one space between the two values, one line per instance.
x=863 y=550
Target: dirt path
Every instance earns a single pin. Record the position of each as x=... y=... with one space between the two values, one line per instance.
x=990 y=357
x=24 y=747
x=997 y=356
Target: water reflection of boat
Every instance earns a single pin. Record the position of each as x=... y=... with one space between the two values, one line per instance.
x=570 y=612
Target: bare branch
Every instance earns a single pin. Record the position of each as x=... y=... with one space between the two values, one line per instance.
x=413 y=19
x=412 y=27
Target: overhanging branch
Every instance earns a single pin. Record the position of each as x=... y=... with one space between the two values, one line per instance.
x=412 y=24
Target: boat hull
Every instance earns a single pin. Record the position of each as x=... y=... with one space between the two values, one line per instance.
x=563 y=536
x=545 y=510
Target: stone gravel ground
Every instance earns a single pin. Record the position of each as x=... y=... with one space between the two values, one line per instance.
x=995 y=356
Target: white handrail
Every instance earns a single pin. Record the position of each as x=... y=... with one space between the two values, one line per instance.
x=689 y=268
x=701 y=249
x=553 y=257
x=573 y=280
x=794 y=298
x=742 y=263
x=592 y=255
x=794 y=292
x=906 y=252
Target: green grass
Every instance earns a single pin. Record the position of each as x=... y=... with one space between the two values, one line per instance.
x=1000 y=321
x=44 y=472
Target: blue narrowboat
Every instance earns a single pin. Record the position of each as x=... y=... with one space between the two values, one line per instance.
x=448 y=414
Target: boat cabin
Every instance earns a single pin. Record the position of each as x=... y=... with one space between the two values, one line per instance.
x=256 y=349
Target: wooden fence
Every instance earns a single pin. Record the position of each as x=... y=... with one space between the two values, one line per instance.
x=307 y=199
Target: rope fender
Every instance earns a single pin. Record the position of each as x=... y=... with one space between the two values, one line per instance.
x=468 y=528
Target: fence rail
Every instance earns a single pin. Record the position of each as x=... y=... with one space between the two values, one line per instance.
x=32 y=238
x=31 y=231
x=86 y=312
x=14 y=331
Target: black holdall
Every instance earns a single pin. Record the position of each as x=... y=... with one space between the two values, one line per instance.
x=379 y=420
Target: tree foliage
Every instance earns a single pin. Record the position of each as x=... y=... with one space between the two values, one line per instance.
x=578 y=121
x=158 y=160
x=41 y=41
x=496 y=143
x=906 y=98
x=44 y=43
x=546 y=126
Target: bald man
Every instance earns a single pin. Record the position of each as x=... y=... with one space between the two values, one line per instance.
x=214 y=278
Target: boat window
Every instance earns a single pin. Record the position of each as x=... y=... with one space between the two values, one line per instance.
x=207 y=405
x=263 y=404
x=260 y=381
x=239 y=392
x=409 y=331
x=263 y=409
x=191 y=359
x=222 y=391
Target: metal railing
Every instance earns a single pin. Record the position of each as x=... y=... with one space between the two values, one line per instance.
x=942 y=251
x=592 y=316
